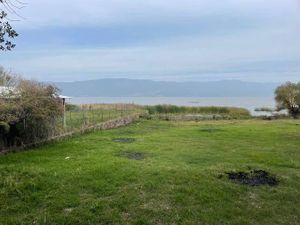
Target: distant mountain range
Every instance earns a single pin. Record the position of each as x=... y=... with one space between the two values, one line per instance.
x=148 y=88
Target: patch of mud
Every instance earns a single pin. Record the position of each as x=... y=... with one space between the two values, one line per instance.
x=211 y=129
x=253 y=178
x=132 y=155
x=124 y=140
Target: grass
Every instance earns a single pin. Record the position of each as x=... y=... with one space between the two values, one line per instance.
x=91 y=180
x=204 y=112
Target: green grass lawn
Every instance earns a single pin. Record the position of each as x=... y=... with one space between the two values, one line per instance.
x=90 y=180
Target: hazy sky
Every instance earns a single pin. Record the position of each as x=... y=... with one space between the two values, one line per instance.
x=66 y=40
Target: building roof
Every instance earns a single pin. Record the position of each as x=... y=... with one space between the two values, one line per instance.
x=64 y=97
x=4 y=91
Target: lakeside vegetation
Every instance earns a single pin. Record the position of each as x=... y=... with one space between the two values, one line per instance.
x=264 y=109
x=200 y=112
x=168 y=173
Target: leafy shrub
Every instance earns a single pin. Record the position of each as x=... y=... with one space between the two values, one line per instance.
x=29 y=114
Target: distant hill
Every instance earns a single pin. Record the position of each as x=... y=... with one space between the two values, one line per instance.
x=148 y=88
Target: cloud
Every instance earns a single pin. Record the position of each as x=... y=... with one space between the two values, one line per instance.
x=106 y=13
x=247 y=55
x=162 y=40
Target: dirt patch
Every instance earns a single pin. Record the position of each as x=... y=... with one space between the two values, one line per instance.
x=211 y=129
x=253 y=178
x=132 y=155
x=124 y=140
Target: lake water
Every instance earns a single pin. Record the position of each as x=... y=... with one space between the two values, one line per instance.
x=249 y=103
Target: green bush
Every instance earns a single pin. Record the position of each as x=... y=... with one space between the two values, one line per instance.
x=30 y=114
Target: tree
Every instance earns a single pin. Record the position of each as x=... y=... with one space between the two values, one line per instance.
x=287 y=97
x=7 y=33
x=7 y=79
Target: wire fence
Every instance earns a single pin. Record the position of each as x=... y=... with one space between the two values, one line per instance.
x=82 y=116
x=76 y=119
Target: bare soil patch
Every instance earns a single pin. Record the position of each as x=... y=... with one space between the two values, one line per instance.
x=253 y=178
x=211 y=129
x=132 y=155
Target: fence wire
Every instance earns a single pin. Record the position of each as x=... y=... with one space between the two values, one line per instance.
x=88 y=115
